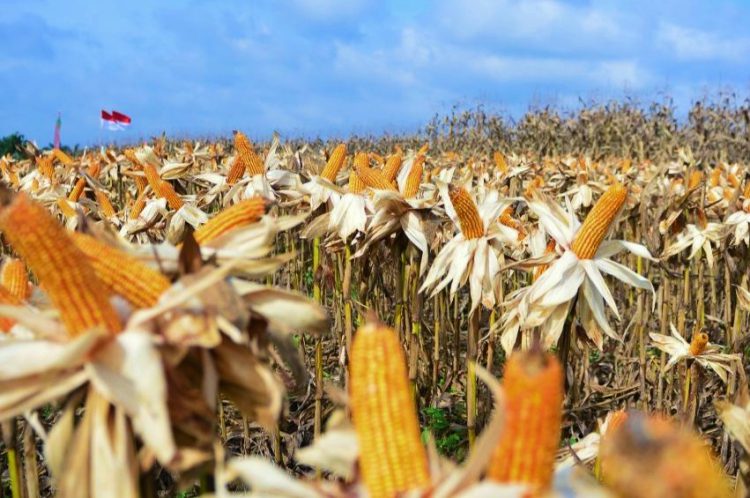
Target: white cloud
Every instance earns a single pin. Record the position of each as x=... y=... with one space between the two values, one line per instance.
x=694 y=44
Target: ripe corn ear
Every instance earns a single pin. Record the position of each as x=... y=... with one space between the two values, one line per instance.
x=62 y=157
x=596 y=225
x=162 y=188
x=59 y=266
x=392 y=166
x=356 y=185
x=698 y=343
x=335 y=163
x=240 y=214
x=533 y=402
x=696 y=177
x=7 y=298
x=75 y=194
x=121 y=273
x=392 y=458
x=468 y=215
x=372 y=178
x=138 y=205
x=15 y=278
x=414 y=179
x=104 y=204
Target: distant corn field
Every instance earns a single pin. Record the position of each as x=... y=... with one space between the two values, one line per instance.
x=532 y=308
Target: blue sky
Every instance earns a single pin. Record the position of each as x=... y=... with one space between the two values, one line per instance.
x=334 y=67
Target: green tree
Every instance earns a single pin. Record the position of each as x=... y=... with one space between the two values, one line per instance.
x=11 y=144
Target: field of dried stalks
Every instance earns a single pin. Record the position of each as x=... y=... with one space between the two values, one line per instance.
x=552 y=307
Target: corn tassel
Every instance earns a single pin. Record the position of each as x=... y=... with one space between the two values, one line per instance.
x=372 y=178
x=15 y=278
x=533 y=397
x=392 y=166
x=59 y=266
x=392 y=458
x=596 y=225
x=356 y=185
x=471 y=223
x=243 y=213
x=121 y=273
x=414 y=179
x=335 y=163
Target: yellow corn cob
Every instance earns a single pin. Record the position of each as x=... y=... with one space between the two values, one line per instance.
x=533 y=404
x=698 y=343
x=500 y=162
x=715 y=177
x=59 y=266
x=371 y=177
x=130 y=156
x=95 y=169
x=733 y=180
x=536 y=183
x=15 y=278
x=62 y=157
x=249 y=158
x=356 y=185
x=414 y=179
x=237 y=215
x=392 y=166
x=334 y=164
x=616 y=419
x=121 y=273
x=596 y=225
x=506 y=218
x=392 y=458
x=7 y=298
x=44 y=165
x=539 y=270
x=104 y=204
x=75 y=194
x=377 y=158
x=468 y=215
x=66 y=209
x=696 y=177
x=138 y=205
x=746 y=192
x=423 y=150
x=163 y=189
x=652 y=457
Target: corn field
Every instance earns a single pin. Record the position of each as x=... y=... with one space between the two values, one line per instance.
x=556 y=306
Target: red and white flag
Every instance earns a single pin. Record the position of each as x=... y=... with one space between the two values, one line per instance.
x=115 y=120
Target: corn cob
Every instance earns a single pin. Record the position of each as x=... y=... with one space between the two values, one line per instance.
x=377 y=158
x=249 y=158
x=500 y=162
x=15 y=278
x=414 y=179
x=66 y=209
x=746 y=191
x=162 y=188
x=696 y=177
x=138 y=205
x=104 y=204
x=392 y=166
x=60 y=267
x=121 y=273
x=468 y=215
x=242 y=213
x=75 y=194
x=44 y=165
x=652 y=457
x=616 y=419
x=372 y=178
x=7 y=298
x=539 y=270
x=334 y=164
x=392 y=458
x=698 y=343
x=356 y=185
x=423 y=150
x=62 y=157
x=140 y=182
x=533 y=404
x=733 y=180
x=596 y=225
x=715 y=177
x=506 y=218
